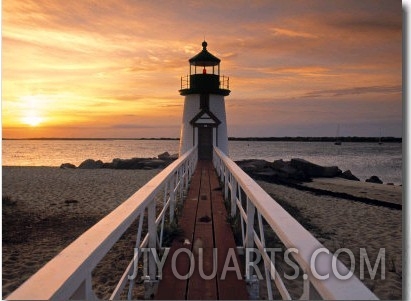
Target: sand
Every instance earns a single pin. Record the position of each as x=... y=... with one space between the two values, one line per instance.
x=50 y=207
x=340 y=223
x=381 y=192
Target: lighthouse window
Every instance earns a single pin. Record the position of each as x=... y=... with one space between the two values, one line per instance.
x=204 y=101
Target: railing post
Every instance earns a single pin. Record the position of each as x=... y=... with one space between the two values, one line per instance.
x=240 y=200
x=222 y=167
x=172 y=197
x=181 y=181
x=84 y=291
x=249 y=236
x=165 y=197
x=233 y=197
x=226 y=174
x=251 y=279
x=306 y=288
x=186 y=175
x=150 y=285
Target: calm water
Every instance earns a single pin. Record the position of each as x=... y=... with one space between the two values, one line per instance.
x=363 y=159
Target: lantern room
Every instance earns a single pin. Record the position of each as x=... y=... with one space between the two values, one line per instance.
x=204 y=75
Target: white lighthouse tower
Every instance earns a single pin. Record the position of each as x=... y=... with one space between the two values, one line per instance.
x=204 y=118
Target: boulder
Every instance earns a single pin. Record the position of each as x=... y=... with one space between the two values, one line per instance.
x=133 y=163
x=154 y=164
x=174 y=156
x=253 y=165
x=314 y=170
x=137 y=163
x=91 y=164
x=67 y=166
x=161 y=161
x=284 y=169
x=349 y=176
x=164 y=156
x=374 y=179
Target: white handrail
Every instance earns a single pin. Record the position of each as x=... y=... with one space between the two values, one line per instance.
x=289 y=231
x=68 y=275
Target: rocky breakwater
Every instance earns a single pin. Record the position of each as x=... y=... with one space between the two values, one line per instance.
x=294 y=171
x=161 y=161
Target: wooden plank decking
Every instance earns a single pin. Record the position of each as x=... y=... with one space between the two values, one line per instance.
x=203 y=221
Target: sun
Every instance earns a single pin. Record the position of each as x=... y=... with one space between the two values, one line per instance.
x=32 y=107
x=32 y=120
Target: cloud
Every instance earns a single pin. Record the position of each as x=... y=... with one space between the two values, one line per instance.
x=96 y=60
x=369 y=22
x=354 y=91
x=134 y=126
x=292 y=33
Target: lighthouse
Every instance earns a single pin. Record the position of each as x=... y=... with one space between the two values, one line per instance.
x=204 y=118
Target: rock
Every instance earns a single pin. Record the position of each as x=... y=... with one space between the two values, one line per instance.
x=137 y=163
x=296 y=169
x=133 y=163
x=349 y=176
x=154 y=164
x=284 y=169
x=67 y=166
x=278 y=170
x=162 y=161
x=114 y=164
x=164 y=156
x=253 y=165
x=174 y=156
x=374 y=179
x=314 y=170
x=91 y=164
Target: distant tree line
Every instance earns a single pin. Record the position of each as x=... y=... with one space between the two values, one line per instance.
x=297 y=139
x=319 y=139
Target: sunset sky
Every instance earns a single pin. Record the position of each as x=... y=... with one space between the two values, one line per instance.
x=112 y=68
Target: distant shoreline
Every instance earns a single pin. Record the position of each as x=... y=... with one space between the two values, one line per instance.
x=284 y=139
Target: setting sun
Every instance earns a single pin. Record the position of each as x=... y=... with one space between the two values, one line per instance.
x=32 y=120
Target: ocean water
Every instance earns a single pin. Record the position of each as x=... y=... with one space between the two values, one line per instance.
x=363 y=159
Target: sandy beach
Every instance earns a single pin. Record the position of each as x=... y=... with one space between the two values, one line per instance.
x=50 y=207
x=385 y=193
x=340 y=223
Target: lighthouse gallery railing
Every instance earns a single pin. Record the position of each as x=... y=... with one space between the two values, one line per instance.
x=69 y=274
x=256 y=209
x=224 y=82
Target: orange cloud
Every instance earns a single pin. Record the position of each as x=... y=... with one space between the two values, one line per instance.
x=90 y=63
x=292 y=33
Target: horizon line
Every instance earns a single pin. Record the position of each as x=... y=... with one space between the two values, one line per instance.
x=325 y=138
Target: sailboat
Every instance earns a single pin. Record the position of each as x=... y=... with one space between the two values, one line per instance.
x=338 y=140
x=379 y=139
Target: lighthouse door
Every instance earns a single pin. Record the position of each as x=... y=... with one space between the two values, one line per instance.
x=205 y=143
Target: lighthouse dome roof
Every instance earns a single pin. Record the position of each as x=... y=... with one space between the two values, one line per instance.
x=204 y=58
